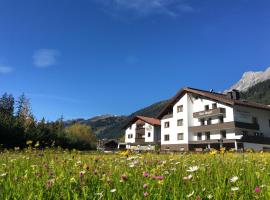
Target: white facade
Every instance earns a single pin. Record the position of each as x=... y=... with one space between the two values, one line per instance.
x=218 y=123
x=142 y=137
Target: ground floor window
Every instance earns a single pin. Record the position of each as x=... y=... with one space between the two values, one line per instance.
x=180 y=136
x=166 y=137
x=149 y=134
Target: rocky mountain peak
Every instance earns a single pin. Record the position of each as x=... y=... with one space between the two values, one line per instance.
x=250 y=79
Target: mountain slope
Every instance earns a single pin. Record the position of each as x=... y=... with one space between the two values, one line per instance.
x=250 y=79
x=110 y=126
x=259 y=93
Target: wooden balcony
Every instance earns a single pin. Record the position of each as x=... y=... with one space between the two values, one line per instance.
x=224 y=126
x=209 y=113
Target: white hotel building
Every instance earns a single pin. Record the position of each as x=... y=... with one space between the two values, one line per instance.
x=197 y=120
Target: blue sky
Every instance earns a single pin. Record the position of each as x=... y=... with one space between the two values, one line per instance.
x=89 y=57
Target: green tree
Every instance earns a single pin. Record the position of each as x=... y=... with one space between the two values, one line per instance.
x=81 y=136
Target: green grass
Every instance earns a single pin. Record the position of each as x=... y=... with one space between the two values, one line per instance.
x=58 y=174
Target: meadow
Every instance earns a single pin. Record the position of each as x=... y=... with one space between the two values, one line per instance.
x=63 y=174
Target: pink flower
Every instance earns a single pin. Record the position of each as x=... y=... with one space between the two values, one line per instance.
x=257 y=189
x=145 y=174
x=145 y=194
x=198 y=198
x=160 y=178
x=145 y=186
x=49 y=183
x=123 y=177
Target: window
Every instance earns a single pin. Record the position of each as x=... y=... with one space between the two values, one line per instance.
x=166 y=137
x=167 y=124
x=199 y=136
x=180 y=136
x=180 y=108
x=245 y=133
x=206 y=107
x=254 y=120
x=214 y=106
x=221 y=119
x=180 y=122
x=131 y=136
x=222 y=134
x=149 y=134
x=207 y=135
x=209 y=121
x=202 y=122
x=128 y=136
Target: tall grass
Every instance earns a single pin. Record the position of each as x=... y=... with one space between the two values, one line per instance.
x=59 y=174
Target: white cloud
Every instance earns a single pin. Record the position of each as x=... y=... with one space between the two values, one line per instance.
x=148 y=7
x=45 y=57
x=5 y=69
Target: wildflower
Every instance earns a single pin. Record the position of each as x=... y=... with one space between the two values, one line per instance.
x=82 y=173
x=187 y=177
x=29 y=142
x=73 y=180
x=233 y=179
x=257 y=189
x=49 y=183
x=213 y=152
x=198 y=198
x=190 y=195
x=37 y=144
x=85 y=166
x=123 y=178
x=145 y=174
x=17 y=148
x=222 y=150
x=145 y=186
x=160 y=178
x=113 y=190
x=210 y=196
x=3 y=175
x=145 y=194
x=193 y=169
x=234 y=188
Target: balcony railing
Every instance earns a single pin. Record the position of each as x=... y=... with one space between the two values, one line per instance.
x=209 y=113
x=224 y=126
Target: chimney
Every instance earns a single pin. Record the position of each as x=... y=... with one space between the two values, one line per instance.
x=235 y=94
x=229 y=95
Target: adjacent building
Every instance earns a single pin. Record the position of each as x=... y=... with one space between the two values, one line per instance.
x=143 y=133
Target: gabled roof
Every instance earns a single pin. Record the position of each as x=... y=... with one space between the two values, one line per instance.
x=149 y=120
x=222 y=98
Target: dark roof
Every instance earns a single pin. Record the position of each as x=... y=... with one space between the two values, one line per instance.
x=211 y=95
x=149 y=120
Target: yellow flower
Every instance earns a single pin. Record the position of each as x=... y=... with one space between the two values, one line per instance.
x=222 y=150
x=213 y=152
x=29 y=142
x=37 y=144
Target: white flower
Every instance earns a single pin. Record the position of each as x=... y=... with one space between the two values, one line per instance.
x=113 y=190
x=210 y=196
x=177 y=163
x=233 y=179
x=235 y=188
x=190 y=195
x=3 y=175
x=188 y=177
x=193 y=169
